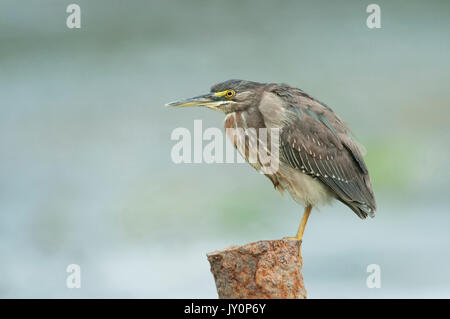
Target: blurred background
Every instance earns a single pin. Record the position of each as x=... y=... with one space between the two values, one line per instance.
x=86 y=175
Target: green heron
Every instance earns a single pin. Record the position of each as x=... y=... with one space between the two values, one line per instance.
x=318 y=159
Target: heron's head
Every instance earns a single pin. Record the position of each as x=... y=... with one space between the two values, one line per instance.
x=226 y=97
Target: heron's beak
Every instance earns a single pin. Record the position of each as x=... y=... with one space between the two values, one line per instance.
x=210 y=100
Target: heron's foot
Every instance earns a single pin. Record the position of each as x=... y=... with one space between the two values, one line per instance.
x=300 y=249
x=291 y=238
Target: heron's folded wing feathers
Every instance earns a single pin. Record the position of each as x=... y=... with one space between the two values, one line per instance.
x=317 y=142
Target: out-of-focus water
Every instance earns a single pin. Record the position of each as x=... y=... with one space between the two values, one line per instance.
x=86 y=175
x=411 y=251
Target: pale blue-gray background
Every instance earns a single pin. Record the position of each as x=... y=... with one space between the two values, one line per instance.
x=85 y=169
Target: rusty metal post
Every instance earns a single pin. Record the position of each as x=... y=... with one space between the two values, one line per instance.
x=263 y=269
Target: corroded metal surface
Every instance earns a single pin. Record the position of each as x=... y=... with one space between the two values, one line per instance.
x=263 y=269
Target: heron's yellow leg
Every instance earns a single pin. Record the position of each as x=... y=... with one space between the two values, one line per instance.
x=302 y=226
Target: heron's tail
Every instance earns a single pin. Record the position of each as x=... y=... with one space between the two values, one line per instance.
x=362 y=210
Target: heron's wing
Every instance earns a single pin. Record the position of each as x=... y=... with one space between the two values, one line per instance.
x=314 y=140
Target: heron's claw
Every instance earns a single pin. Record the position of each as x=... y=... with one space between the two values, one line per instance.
x=291 y=238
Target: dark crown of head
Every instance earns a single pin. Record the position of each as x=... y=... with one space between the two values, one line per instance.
x=236 y=85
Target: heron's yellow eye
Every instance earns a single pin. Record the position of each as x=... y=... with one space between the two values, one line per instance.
x=229 y=94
